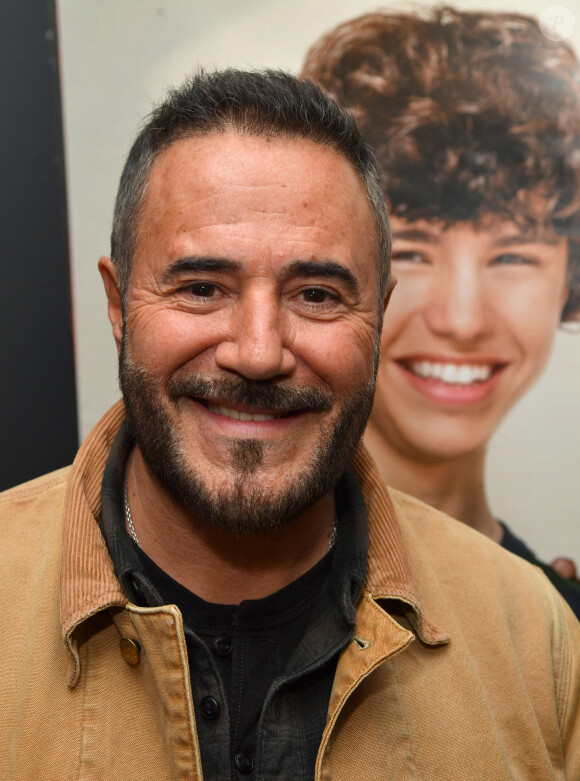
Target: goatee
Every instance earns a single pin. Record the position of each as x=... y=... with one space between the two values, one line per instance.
x=244 y=504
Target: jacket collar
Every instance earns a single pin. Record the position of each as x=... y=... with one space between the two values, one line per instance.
x=389 y=574
x=88 y=582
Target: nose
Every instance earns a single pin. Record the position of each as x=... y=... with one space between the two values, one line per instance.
x=459 y=308
x=255 y=345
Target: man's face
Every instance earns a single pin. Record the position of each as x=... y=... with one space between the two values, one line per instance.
x=247 y=359
x=469 y=328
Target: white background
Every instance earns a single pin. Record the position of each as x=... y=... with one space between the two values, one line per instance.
x=117 y=57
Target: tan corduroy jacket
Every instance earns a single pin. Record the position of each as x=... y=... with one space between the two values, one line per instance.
x=478 y=680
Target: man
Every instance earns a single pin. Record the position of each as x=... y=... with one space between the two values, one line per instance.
x=221 y=586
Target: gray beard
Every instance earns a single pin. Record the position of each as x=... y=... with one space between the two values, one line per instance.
x=246 y=507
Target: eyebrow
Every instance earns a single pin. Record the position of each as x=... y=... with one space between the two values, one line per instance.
x=197 y=263
x=325 y=268
x=304 y=268
x=528 y=238
x=415 y=234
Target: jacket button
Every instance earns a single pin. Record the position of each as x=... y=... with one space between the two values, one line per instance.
x=244 y=763
x=210 y=708
x=130 y=651
x=222 y=645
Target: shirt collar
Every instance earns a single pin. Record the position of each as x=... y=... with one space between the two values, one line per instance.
x=125 y=558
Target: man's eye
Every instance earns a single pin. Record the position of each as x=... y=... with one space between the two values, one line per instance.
x=202 y=289
x=410 y=256
x=314 y=295
x=512 y=259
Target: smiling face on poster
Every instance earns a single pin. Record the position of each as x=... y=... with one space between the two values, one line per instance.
x=481 y=180
x=475 y=120
x=470 y=329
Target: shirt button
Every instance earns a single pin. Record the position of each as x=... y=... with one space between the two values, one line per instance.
x=222 y=645
x=244 y=763
x=210 y=708
x=130 y=651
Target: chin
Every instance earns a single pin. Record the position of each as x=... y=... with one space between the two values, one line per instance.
x=441 y=441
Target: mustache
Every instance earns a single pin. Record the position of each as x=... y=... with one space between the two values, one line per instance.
x=251 y=393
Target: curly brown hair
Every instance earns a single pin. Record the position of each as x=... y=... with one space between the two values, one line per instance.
x=469 y=114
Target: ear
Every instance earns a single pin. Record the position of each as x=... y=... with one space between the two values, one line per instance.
x=113 y=291
x=392 y=283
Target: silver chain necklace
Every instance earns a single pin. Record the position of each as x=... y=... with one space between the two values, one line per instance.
x=331 y=542
x=128 y=512
x=333 y=534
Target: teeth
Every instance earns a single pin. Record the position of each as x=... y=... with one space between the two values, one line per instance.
x=237 y=414
x=452 y=373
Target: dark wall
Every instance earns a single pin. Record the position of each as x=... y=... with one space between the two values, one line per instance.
x=38 y=428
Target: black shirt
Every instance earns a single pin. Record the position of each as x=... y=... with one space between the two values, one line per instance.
x=261 y=671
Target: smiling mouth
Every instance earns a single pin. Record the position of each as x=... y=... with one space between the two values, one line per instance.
x=452 y=373
x=237 y=414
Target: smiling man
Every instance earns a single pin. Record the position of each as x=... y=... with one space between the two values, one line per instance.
x=237 y=404
x=221 y=585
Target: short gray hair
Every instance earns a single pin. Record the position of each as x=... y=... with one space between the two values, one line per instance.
x=268 y=102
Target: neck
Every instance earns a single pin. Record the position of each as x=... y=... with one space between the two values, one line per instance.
x=454 y=485
x=217 y=565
